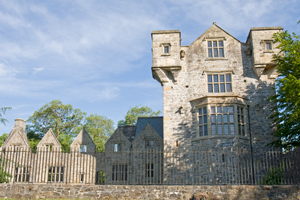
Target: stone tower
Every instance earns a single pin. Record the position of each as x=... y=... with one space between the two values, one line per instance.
x=215 y=90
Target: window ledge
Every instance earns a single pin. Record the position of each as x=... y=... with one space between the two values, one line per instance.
x=220 y=137
x=165 y=54
x=216 y=58
x=269 y=51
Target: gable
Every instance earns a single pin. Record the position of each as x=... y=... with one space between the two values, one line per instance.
x=155 y=122
x=148 y=133
x=117 y=137
x=49 y=139
x=83 y=138
x=15 y=139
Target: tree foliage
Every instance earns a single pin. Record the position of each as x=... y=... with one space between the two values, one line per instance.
x=3 y=138
x=100 y=129
x=135 y=112
x=286 y=101
x=2 y=112
x=61 y=118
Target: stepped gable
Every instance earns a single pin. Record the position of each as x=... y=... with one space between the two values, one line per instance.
x=155 y=122
x=17 y=136
x=84 y=138
x=49 y=139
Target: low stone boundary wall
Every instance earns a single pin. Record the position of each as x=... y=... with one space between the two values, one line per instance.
x=230 y=192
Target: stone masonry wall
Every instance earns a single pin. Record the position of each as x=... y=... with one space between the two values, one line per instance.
x=122 y=192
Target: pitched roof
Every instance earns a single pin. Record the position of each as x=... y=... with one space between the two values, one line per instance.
x=155 y=122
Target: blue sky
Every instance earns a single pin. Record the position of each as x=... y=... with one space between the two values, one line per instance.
x=96 y=54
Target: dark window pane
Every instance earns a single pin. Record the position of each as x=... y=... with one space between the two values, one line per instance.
x=216 y=52
x=215 y=43
x=209 y=78
x=205 y=129
x=166 y=49
x=219 y=117
x=268 y=46
x=200 y=111
x=228 y=78
x=216 y=79
x=242 y=110
x=226 y=129
x=232 y=129
x=222 y=78
x=219 y=109
x=222 y=87
x=213 y=109
x=220 y=43
x=225 y=118
x=225 y=109
x=230 y=109
x=213 y=129
x=209 y=43
x=205 y=119
x=216 y=87
x=204 y=110
x=231 y=118
x=210 y=88
x=210 y=53
x=213 y=118
x=228 y=87
x=201 y=130
x=220 y=129
x=221 y=51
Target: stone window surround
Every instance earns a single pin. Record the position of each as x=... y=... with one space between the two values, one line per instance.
x=164 y=45
x=211 y=39
x=265 y=42
x=219 y=73
x=208 y=106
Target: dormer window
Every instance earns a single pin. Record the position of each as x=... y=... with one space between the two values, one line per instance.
x=215 y=48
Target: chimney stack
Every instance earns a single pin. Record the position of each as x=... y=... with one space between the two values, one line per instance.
x=21 y=123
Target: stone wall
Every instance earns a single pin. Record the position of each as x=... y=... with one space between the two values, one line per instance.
x=242 y=192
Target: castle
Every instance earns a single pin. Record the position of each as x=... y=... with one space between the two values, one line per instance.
x=215 y=95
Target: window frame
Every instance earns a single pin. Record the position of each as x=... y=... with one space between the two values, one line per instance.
x=117 y=147
x=210 y=46
x=165 y=46
x=219 y=83
x=148 y=144
x=56 y=174
x=238 y=125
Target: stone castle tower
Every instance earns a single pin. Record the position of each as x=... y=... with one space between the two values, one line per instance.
x=215 y=90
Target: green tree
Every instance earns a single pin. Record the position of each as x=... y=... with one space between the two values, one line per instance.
x=100 y=129
x=63 y=119
x=3 y=138
x=2 y=112
x=286 y=101
x=135 y=112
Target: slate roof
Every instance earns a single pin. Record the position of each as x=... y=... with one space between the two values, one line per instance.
x=129 y=132
x=155 y=122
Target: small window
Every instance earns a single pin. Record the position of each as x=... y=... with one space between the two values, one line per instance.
x=268 y=46
x=49 y=147
x=149 y=144
x=117 y=147
x=166 y=49
x=203 y=122
x=149 y=170
x=22 y=174
x=215 y=48
x=83 y=148
x=56 y=174
x=219 y=83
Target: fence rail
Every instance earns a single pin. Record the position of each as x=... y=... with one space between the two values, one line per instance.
x=154 y=166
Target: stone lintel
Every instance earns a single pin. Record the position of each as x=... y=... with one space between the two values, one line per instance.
x=165 y=32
